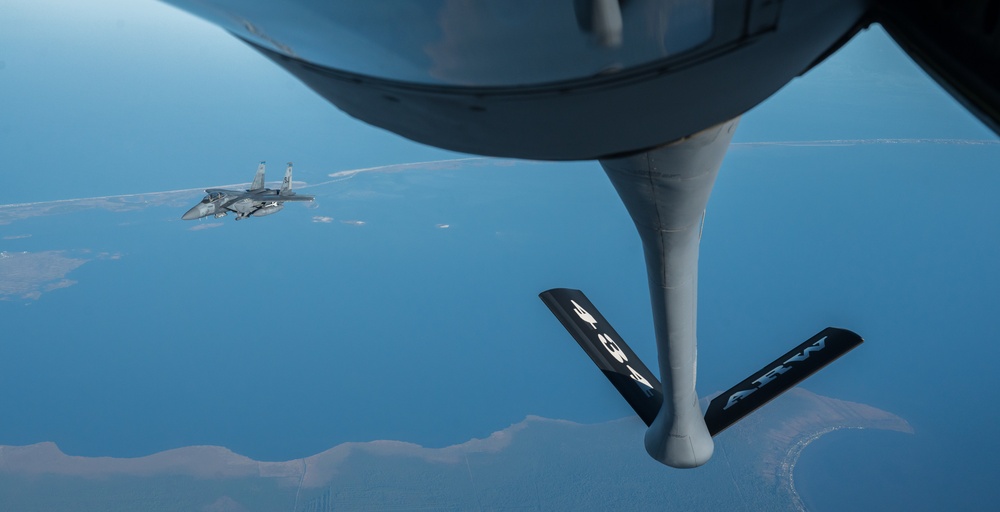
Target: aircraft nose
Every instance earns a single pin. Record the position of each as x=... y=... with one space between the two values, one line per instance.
x=193 y=213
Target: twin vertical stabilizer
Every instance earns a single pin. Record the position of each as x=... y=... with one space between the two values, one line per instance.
x=258 y=179
x=286 y=183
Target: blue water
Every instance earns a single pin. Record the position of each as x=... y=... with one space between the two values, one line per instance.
x=880 y=470
x=279 y=337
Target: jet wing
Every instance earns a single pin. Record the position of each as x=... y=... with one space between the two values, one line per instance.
x=270 y=198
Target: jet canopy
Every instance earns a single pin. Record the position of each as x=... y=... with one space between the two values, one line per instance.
x=212 y=196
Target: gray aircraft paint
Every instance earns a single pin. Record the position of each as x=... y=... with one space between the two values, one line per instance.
x=256 y=201
x=666 y=191
x=547 y=81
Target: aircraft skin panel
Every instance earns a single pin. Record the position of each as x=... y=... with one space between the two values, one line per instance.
x=666 y=190
x=779 y=376
x=956 y=44
x=256 y=201
x=752 y=49
x=258 y=179
x=607 y=350
x=286 y=183
x=271 y=196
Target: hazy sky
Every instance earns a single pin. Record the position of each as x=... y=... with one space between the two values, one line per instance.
x=281 y=337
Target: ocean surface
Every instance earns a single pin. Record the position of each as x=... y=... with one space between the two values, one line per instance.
x=407 y=313
x=881 y=470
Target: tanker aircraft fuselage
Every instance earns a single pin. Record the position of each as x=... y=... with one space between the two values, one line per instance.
x=652 y=89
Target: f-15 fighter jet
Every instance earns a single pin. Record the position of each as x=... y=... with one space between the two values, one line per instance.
x=256 y=201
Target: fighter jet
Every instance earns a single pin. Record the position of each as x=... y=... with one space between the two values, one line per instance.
x=652 y=89
x=255 y=201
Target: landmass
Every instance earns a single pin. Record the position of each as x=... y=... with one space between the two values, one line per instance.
x=537 y=464
x=28 y=274
x=10 y=213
